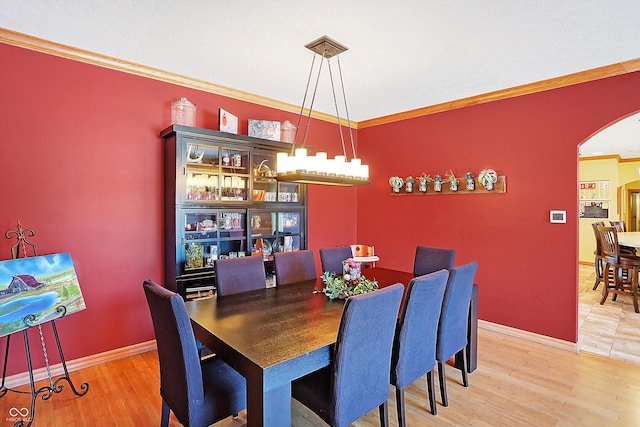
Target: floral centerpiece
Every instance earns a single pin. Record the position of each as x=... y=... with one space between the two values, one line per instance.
x=343 y=286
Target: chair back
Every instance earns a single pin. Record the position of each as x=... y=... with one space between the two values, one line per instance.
x=453 y=326
x=609 y=242
x=181 y=385
x=292 y=267
x=235 y=275
x=429 y=260
x=414 y=348
x=331 y=258
x=595 y=226
x=362 y=353
x=620 y=226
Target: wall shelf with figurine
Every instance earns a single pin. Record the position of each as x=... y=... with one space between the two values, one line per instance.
x=487 y=182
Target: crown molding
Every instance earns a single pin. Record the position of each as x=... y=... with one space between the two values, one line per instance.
x=52 y=48
x=611 y=157
x=26 y=41
x=620 y=68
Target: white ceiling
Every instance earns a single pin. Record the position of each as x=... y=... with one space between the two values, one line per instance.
x=403 y=54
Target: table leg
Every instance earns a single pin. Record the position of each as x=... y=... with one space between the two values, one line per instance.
x=268 y=408
x=472 y=334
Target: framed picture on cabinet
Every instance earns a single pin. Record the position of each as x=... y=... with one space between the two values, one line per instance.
x=228 y=122
x=264 y=129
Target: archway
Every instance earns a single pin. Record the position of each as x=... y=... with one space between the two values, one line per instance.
x=606 y=329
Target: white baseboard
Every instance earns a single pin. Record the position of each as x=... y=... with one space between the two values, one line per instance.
x=82 y=363
x=529 y=336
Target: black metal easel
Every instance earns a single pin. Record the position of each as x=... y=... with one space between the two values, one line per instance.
x=45 y=392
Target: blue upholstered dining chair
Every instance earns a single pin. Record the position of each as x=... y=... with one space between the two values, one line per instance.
x=331 y=258
x=454 y=322
x=430 y=259
x=235 y=275
x=414 y=347
x=357 y=380
x=198 y=393
x=292 y=267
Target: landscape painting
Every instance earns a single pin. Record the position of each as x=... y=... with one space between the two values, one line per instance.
x=37 y=289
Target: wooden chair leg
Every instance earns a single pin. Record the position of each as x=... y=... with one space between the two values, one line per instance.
x=605 y=289
x=384 y=415
x=634 y=288
x=443 y=384
x=400 y=406
x=431 y=390
x=164 y=420
x=598 y=264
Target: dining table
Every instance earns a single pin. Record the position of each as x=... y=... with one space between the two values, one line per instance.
x=273 y=336
x=629 y=238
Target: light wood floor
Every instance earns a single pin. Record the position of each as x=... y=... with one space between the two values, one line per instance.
x=517 y=383
x=611 y=329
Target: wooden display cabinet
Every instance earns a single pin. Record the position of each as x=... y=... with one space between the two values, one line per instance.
x=222 y=200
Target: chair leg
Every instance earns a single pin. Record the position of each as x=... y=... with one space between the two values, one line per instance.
x=634 y=288
x=605 y=289
x=598 y=264
x=432 y=397
x=400 y=406
x=443 y=384
x=164 y=421
x=384 y=415
x=463 y=355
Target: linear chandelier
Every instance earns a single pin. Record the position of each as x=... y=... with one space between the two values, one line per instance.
x=300 y=167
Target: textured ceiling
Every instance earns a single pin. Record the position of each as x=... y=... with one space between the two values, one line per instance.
x=403 y=54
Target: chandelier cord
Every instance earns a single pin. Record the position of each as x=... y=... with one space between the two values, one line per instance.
x=304 y=101
x=313 y=98
x=335 y=103
x=346 y=109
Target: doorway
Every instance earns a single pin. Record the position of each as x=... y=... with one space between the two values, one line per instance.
x=633 y=218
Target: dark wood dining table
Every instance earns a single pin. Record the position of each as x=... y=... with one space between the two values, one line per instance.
x=274 y=335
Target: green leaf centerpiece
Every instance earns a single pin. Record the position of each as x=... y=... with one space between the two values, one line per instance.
x=343 y=286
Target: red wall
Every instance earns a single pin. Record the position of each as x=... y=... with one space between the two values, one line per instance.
x=81 y=164
x=527 y=272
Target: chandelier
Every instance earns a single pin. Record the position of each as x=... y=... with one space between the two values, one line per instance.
x=299 y=166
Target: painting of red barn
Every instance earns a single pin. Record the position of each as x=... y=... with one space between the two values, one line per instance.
x=37 y=289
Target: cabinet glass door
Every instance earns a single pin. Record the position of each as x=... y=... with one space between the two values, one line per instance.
x=232 y=230
x=276 y=231
x=290 y=192
x=265 y=185
x=202 y=172
x=200 y=239
x=235 y=174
